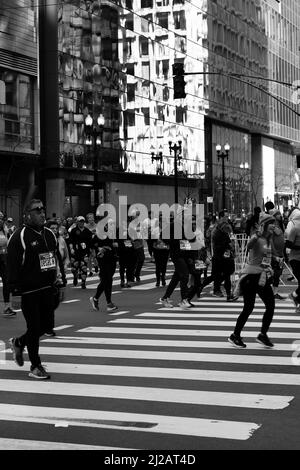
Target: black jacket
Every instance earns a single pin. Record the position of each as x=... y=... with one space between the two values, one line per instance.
x=31 y=259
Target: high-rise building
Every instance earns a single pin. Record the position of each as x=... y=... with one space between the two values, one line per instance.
x=114 y=59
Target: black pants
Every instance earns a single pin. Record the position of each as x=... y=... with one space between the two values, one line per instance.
x=161 y=260
x=38 y=311
x=250 y=288
x=3 y=275
x=222 y=268
x=107 y=270
x=181 y=274
x=295 y=265
x=127 y=264
x=140 y=258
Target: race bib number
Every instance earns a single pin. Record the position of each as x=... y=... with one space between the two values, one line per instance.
x=185 y=245
x=47 y=261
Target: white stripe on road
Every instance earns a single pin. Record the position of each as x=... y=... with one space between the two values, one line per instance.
x=182 y=332
x=167 y=356
x=187 y=314
x=222 y=308
x=130 y=421
x=166 y=395
x=159 y=343
x=165 y=373
x=28 y=444
x=201 y=323
x=62 y=327
x=119 y=313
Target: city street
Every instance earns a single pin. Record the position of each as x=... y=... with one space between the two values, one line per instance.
x=148 y=377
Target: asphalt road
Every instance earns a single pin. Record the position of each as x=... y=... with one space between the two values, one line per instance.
x=150 y=378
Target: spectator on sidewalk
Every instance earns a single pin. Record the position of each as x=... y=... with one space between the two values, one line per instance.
x=8 y=311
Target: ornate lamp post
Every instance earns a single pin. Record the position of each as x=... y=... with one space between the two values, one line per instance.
x=158 y=158
x=177 y=149
x=94 y=135
x=222 y=155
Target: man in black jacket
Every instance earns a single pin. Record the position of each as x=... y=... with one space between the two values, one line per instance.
x=32 y=272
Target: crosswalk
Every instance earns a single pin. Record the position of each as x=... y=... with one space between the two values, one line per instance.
x=153 y=379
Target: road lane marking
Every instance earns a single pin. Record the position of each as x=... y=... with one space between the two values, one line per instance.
x=202 y=323
x=182 y=332
x=165 y=373
x=160 y=343
x=168 y=356
x=130 y=421
x=165 y=395
x=186 y=314
x=29 y=444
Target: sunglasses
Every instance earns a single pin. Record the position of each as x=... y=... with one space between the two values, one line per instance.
x=39 y=209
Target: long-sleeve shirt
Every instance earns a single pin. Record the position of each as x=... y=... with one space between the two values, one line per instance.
x=31 y=259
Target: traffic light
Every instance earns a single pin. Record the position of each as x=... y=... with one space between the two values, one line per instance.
x=178 y=80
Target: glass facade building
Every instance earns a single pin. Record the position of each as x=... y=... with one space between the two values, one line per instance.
x=115 y=58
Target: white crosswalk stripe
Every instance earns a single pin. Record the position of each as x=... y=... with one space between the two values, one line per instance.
x=126 y=377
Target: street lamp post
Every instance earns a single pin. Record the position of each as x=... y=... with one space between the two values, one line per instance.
x=177 y=149
x=94 y=134
x=223 y=155
x=158 y=158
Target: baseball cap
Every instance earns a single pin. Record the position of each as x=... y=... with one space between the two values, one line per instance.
x=80 y=218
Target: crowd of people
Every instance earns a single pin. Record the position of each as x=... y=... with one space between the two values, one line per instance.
x=34 y=259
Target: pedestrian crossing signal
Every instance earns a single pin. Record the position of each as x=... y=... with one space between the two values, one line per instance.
x=178 y=80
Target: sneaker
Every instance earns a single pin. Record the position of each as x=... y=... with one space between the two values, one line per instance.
x=236 y=341
x=122 y=284
x=297 y=309
x=218 y=294
x=279 y=296
x=157 y=284
x=9 y=312
x=95 y=303
x=184 y=304
x=232 y=298
x=166 y=303
x=17 y=352
x=75 y=281
x=127 y=285
x=264 y=340
x=293 y=298
x=38 y=372
x=190 y=304
x=138 y=279
x=111 y=307
x=50 y=333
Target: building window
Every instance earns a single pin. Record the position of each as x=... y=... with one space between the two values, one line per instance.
x=146 y=113
x=162 y=3
x=16 y=117
x=163 y=19
x=129 y=23
x=144 y=46
x=145 y=23
x=130 y=69
x=179 y=20
x=130 y=92
x=146 y=3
